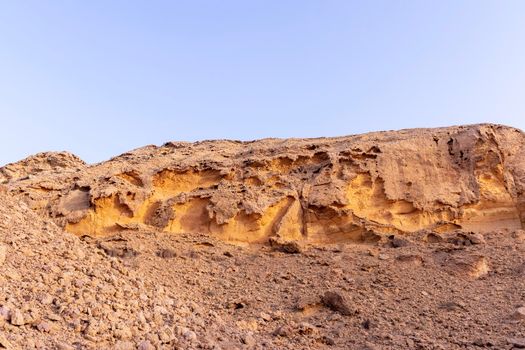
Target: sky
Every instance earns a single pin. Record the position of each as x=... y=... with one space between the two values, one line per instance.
x=99 y=78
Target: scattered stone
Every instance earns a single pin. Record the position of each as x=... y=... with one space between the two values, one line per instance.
x=304 y=303
x=46 y=299
x=117 y=248
x=383 y=256
x=327 y=341
x=291 y=247
x=412 y=259
x=13 y=275
x=517 y=342
x=64 y=346
x=306 y=328
x=277 y=315
x=452 y=306
x=4 y=343
x=145 y=345
x=123 y=333
x=519 y=235
x=189 y=335
x=373 y=252
x=54 y=317
x=236 y=305
x=248 y=339
x=5 y=312
x=372 y=237
x=17 y=318
x=166 y=335
x=283 y=331
x=410 y=343
x=43 y=326
x=398 y=242
x=370 y=346
x=124 y=345
x=336 y=302
x=433 y=238
x=265 y=317
x=474 y=266
x=166 y=253
x=519 y=314
x=483 y=343
x=467 y=238
x=476 y=238
x=250 y=324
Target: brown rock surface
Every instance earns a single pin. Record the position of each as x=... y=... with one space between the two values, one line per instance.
x=313 y=190
x=418 y=231
x=41 y=163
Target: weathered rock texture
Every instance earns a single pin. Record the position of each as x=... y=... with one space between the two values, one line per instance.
x=314 y=190
x=41 y=163
x=400 y=282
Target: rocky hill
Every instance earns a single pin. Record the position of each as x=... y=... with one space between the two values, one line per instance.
x=312 y=190
x=408 y=239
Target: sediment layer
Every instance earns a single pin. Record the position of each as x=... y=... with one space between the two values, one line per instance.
x=314 y=190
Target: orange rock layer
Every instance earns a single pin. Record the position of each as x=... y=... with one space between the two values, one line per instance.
x=315 y=190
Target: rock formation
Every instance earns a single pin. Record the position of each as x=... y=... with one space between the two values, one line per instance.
x=313 y=190
x=408 y=239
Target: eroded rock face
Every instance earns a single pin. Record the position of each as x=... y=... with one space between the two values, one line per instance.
x=39 y=163
x=313 y=190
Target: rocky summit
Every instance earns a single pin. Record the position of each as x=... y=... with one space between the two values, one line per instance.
x=410 y=239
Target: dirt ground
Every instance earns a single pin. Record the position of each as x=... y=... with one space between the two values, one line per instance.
x=463 y=291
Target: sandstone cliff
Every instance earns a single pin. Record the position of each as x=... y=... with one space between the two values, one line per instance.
x=312 y=190
x=140 y=275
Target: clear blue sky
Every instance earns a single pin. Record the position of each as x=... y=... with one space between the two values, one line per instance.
x=98 y=78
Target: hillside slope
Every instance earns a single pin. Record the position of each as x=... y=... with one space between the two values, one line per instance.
x=408 y=239
x=312 y=190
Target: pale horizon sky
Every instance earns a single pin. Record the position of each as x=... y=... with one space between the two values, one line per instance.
x=99 y=78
